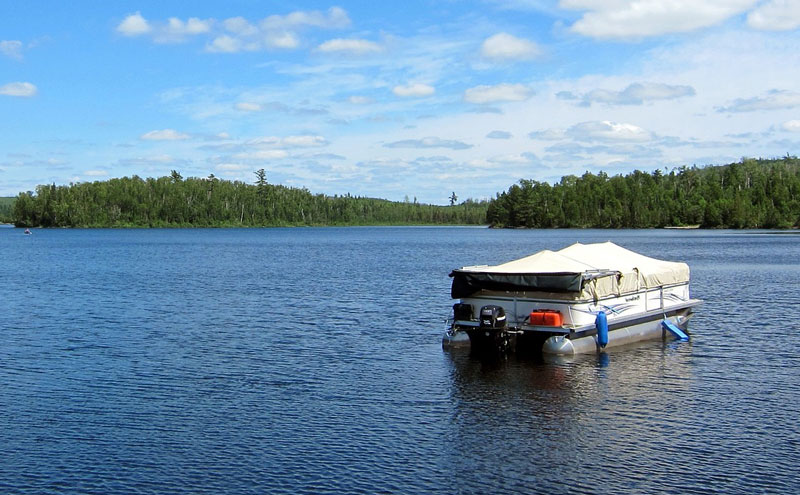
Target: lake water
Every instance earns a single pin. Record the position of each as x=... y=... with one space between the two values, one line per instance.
x=309 y=361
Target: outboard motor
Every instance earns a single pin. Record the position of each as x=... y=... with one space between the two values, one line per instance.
x=493 y=317
x=491 y=335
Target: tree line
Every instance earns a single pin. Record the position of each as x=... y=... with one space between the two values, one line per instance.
x=173 y=201
x=6 y=209
x=752 y=193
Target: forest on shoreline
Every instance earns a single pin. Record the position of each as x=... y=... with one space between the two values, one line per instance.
x=173 y=201
x=752 y=193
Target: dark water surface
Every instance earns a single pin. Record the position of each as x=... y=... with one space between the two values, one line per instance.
x=309 y=361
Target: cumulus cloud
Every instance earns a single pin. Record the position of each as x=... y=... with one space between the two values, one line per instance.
x=497 y=93
x=96 y=173
x=623 y=19
x=413 y=90
x=164 y=135
x=237 y=34
x=774 y=100
x=226 y=44
x=174 y=30
x=607 y=131
x=791 y=126
x=335 y=18
x=177 y=30
x=499 y=135
x=11 y=49
x=278 y=31
x=134 y=25
x=775 y=15
x=503 y=47
x=21 y=89
x=429 y=142
x=634 y=94
x=350 y=46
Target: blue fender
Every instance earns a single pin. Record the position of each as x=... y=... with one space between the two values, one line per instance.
x=601 y=323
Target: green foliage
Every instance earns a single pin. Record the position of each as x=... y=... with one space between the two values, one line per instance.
x=6 y=209
x=753 y=193
x=210 y=202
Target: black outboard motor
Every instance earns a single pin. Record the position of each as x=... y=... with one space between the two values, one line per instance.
x=492 y=335
x=493 y=317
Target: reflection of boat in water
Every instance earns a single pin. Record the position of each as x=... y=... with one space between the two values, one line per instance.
x=580 y=299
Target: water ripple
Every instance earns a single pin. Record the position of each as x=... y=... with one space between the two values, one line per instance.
x=308 y=361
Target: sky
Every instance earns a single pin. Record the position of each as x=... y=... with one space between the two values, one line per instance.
x=415 y=100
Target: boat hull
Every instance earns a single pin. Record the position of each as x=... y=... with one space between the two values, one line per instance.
x=652 y=329
x=626 y=324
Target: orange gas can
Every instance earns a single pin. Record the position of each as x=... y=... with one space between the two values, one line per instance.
x=546 y=318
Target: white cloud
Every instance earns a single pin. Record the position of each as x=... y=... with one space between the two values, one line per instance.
x=230 y=167
x=429 y=142
x=607 y=131
x=634 y=94
x=775 y=15
x=336 y=18
x=11 y=48
x=503 y=46
x=22 y=89
x=240 y=26
x=164 y=135
x=360 y=100
x=96 y=173
x=498 y=93
x=621 y=19
x=350 y=46
x=774 y=100
x=514 y=159
x=262 y=155
x=549 y=134
x=499 y=135
x=237 y=34
x=246 y=106
x=791 y=126
x=174 y=30
x=307 y=141
x=416 y=90
x=224 y=44
x=134 y=25
x=282 y=40
x=299 y=141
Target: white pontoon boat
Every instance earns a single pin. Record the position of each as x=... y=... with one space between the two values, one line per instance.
x=580 y=299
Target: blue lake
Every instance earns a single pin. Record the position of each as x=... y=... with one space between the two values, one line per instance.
x=309 y=361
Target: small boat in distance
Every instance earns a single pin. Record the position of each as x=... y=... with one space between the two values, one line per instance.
x=28 y=232
x=580 y=299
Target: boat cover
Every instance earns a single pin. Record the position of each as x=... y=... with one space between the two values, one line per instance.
x=581 y=270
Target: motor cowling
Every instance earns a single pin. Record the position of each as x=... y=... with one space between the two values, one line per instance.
x=493 y=317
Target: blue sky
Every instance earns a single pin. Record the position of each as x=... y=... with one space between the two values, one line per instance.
x=373 y=99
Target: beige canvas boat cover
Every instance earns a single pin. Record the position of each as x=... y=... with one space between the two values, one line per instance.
x=586 y=270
